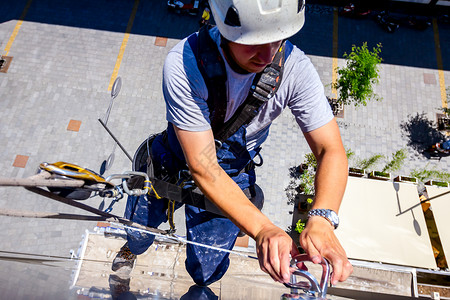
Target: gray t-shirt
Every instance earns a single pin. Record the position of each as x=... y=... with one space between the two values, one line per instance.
x=185 y=94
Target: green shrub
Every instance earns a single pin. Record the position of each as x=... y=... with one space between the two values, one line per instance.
x=410 y=179
x=349 y=152
x=425 y=174
x=369 y=162
x=356 y=79
x=307 y=182
x=381 y=174
x=440 y=183
x=310 y=160
x=397 y=161
x=300 y=226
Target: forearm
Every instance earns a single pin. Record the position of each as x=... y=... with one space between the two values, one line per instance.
x=217 y=186
x=318 y=238
x=331 y=179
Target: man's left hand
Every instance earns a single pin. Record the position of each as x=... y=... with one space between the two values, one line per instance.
x=318 y=240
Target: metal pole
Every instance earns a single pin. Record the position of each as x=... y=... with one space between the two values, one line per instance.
x=116 y=140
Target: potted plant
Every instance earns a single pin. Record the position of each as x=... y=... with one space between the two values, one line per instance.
x=407 y=179
x=356 y=172
x=380 y=175
x=437 y=183
x=398 y=158
x=355 y=80
x=300 y=226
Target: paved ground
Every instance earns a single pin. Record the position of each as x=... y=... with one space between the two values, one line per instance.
x=64 y=55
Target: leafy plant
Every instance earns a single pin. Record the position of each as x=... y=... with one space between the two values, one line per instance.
x=355 y=170
x=349 y=152
x=356 y=79
x=396 y=162
x=307 y=182
x=310 y=160
x=440 y=183
x=300 y=226
x=425 y=174
x=381 y=174
x=370 y=162
x=410 y=179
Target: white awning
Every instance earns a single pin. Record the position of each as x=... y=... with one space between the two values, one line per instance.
x=440 y=205
x=375 y=227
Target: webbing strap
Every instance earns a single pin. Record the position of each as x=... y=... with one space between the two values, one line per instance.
x=212 y=67
x=186 y=196
x=264 y=86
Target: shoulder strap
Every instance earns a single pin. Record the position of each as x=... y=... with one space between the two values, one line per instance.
x=264 y=86
x=212 y=67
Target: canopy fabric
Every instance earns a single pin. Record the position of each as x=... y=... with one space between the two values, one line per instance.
x=378 y=224
x=440 y=205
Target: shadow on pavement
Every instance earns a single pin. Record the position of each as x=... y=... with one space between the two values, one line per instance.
x=421 y=132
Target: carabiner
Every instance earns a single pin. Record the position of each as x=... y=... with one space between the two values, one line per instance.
x=312 y=288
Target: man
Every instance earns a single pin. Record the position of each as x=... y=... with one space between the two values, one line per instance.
x=248 y=36
x=205 y=17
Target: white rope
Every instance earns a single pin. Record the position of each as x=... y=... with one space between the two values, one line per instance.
x=183 y=240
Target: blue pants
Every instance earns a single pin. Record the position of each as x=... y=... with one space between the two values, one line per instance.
x=204 y=265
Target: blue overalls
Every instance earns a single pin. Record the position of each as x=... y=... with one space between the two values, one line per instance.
x=204 y=265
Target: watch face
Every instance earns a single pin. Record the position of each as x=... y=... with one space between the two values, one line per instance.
x=328 y=214
x=334 y=217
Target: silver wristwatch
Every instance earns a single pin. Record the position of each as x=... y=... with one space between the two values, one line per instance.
x=328 y=214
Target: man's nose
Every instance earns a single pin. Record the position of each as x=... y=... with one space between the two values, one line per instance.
x=266 y=53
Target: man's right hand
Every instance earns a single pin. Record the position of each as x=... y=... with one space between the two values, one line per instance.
x=273 y=247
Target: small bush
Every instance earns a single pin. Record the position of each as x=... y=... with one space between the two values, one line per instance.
x=369 y=162
x=356 y=79
x=381 y=174
x=425 y=174
x=310 y=160
x=397 y=161
x=440 y=183
x=300 y=226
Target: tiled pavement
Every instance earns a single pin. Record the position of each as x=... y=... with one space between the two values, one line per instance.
x=65 y=52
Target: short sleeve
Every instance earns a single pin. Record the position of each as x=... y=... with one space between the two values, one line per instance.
x=184 y=90
x=308 y=103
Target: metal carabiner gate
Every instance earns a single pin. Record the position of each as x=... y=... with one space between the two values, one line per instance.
x=312 y=289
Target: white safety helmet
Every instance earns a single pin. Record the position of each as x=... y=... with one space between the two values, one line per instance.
x=255 y=22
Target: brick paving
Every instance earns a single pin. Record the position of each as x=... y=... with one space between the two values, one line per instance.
x=63 y=58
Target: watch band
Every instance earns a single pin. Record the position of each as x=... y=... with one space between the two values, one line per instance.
x=328 y=214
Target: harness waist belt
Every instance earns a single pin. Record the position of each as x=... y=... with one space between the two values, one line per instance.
x=186 y=196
